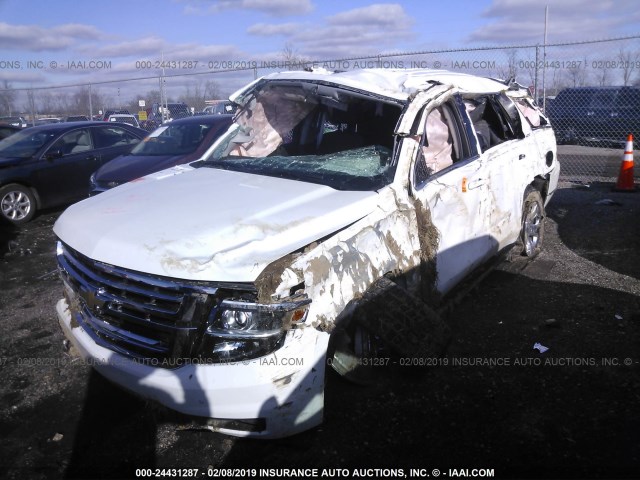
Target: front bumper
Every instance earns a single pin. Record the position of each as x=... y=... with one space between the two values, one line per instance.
x=282 y=392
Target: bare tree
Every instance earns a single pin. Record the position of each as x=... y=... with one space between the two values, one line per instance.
x=47 y=102
x=627 y=61
x=80 y=100
x=510 y=70
x=151 y=97
x=578 y=74
x=292 y=59
x=31 y=106
x=197 y=93
x=554 y=84
x=212 y=90
x=7 y=97
x=603 y=77
x=531 y=70
x=64 y=103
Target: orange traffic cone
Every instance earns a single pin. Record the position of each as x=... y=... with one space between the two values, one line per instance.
x=625 y=178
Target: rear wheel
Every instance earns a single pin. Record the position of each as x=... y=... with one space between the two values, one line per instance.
x=533 y=216
x=17 y=203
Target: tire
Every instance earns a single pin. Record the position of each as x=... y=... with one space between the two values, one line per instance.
x=533 y=220
x=355 y=353
x=387 y=321
x=403 y=321
x=17 y=203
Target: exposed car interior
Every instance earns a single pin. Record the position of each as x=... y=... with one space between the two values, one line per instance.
x=314 y=132
x=304 y=119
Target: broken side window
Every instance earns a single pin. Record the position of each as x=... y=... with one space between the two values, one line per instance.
x=441 y=143
x=484 y=123
x=495 y=119
x=510 y=117
x=531 y=113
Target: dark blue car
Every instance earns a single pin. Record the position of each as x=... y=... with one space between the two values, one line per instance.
x=50 y=165
x=174 y=143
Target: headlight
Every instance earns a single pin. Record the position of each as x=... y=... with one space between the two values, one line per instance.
x=240 y=329
x=235 y=320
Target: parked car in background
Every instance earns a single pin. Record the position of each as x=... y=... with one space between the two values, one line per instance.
x=178 y=142
x=219 y=108
x=50 y=165
x=158 y=114
x=598 y=116
x=108 y=113
x=45 y=121
x=6 y=130
x=15 y=121
x=124 y=118
x=224 y=290
x=76 y=118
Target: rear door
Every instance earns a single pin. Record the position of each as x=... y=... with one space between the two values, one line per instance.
x=510 y=161
x=112 y=141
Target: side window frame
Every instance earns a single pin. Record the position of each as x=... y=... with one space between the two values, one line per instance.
x=95 y=131
x=463 y=149
x=522 y=103
x=52 y=148
x=514 y=123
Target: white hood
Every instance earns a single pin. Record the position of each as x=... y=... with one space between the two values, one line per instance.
x=207 y=224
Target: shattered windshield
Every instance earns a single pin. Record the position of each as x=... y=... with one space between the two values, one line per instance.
x=173 y=139
x=365 y=168
x=314 y=133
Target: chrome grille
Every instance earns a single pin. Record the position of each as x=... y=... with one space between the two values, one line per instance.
x=136 y=314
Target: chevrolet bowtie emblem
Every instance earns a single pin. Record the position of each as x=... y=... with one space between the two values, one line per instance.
x=90 y=299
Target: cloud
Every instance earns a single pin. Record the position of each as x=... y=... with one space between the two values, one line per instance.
x=270 y=7
x=155 y=48
x=360 y=31
x=33 y=77
x=374 y=16
x=192 y=51
x=517 y=22
x=38 y=39
x=267 y=29
x=138 y=47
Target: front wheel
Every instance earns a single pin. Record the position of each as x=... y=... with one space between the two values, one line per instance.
x=533 y=217
x=17 y=203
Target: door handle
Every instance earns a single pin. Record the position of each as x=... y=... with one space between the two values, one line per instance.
x=522 y=156
x=473 y=184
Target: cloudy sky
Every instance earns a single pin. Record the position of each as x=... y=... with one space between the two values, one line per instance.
x=44 y=42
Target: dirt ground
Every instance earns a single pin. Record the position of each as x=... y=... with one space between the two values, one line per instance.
x=493 y=402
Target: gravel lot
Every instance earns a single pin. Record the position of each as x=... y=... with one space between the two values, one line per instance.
x=493 y=402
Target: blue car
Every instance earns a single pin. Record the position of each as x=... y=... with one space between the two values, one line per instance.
x=50 y=165
x=174 y=143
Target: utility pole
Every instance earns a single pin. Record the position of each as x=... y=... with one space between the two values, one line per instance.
x=544 y=62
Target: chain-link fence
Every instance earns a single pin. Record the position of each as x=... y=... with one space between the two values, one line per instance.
x=590 y=90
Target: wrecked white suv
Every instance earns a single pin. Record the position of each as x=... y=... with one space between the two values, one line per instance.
x=338 y=209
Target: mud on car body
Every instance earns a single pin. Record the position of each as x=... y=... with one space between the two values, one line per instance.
x=337 y=207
